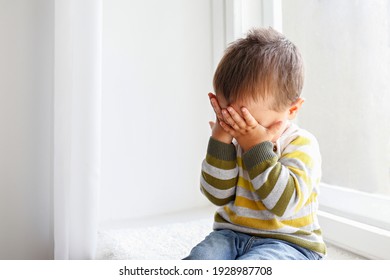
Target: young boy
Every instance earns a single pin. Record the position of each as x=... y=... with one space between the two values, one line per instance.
x=261 y=169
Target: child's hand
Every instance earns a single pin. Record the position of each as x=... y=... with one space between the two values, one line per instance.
x=218 y=133
x=246 y=130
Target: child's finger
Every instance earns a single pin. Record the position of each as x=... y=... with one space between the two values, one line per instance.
x=227 y=128
x=250 y=120
x=237 y=118
x=215 y=105
x=229 y=120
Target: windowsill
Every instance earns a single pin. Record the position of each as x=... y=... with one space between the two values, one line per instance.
x=114 y=235
x=355 y=221
x=337 y=253
x=371 y=209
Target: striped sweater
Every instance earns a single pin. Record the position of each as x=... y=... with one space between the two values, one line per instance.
x=267 y=191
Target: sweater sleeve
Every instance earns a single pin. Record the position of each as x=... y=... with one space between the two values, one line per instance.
x=219 y=172
x=284 y=184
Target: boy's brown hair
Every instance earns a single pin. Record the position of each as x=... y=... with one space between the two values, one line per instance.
x=261 y=65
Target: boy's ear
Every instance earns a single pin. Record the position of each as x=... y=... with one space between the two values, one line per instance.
x=293 y=110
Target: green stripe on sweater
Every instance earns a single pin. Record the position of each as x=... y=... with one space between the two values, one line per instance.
x=269 y=185
x=259 y=153
x=285 y=198
x=217 y=201
x=261 y=167
x=220 y=163
x=221 y=150
x=219 y=183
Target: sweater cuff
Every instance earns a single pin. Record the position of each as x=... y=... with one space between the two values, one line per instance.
x=258 y=153
x=221 y=150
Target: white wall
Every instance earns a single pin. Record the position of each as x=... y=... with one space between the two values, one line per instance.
x=26 y=84
x=157 y=71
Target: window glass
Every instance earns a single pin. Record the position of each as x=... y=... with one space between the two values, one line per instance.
x=346 y=49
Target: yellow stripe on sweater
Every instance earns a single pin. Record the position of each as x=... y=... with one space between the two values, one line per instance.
x=303 y=175
x=312 y=198
x=302 y=156
x=245 y=184
x=301 y=141
x=252 y=222
x=300 y=222
x=240 y=162
x=244 y=202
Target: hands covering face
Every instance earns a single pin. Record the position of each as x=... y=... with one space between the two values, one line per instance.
x=243 y=127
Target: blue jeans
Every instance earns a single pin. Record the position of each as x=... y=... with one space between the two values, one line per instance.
x=230 y=245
